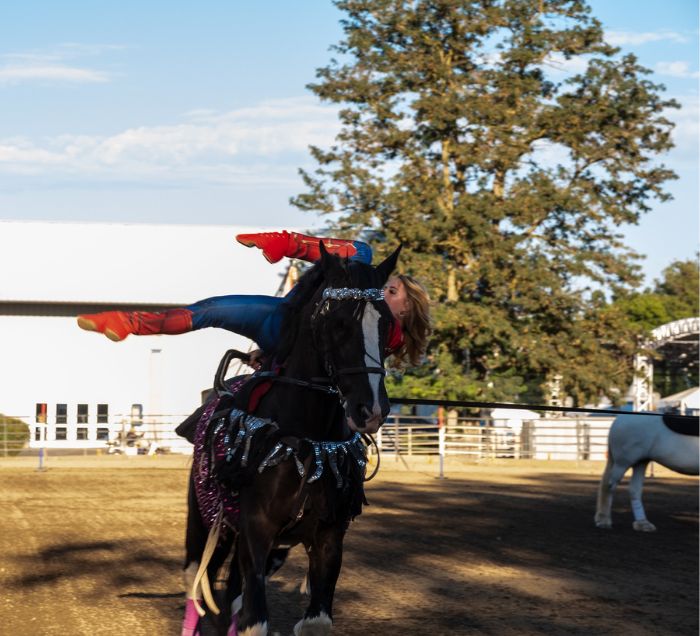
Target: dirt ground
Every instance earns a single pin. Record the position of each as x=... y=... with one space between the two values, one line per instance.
x=93 y=546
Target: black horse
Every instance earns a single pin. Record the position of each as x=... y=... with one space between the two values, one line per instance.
x=292 y=472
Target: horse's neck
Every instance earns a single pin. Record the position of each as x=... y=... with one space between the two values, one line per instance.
x=304 y=411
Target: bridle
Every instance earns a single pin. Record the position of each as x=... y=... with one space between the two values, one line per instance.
x=320 y=334
x=329 y=383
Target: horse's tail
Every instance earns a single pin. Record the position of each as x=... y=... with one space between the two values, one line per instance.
x=605 y=487
x=604 y=498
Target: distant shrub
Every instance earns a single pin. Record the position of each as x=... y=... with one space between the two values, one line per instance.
x=14 y=436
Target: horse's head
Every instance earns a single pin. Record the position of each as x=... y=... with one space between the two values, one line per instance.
x=351 y=323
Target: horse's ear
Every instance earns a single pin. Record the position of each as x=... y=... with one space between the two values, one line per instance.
x=328 y=262
x=388 y=265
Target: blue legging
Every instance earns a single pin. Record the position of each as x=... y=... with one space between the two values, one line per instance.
x=256 y=317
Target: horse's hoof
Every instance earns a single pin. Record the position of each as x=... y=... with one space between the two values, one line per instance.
x=317 y=626
x=644 y=526
x=602 y=522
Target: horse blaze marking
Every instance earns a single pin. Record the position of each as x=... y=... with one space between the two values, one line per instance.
x=370 y=329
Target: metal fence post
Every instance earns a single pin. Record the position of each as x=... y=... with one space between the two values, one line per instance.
x=441 y=441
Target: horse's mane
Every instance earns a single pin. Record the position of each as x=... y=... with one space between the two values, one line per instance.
x=361 y=275
x=304 y=291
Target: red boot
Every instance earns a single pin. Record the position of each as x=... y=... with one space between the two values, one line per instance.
x=275 y=245
x=117 y=325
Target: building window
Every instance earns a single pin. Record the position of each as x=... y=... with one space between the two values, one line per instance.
x=102 y=413
x=41 y=413
x=136 y=414
x=82 y=413
x=61 y=432
x=81 y=432
x=61 y=414
x=103 y=433
x=37 y=433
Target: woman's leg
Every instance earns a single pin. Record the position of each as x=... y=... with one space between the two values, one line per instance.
x=117 y=325
x=256 y=317
x=275 y=245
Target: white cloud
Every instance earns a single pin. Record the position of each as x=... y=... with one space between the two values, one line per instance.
x=687 y=129
x=51 y=72
x=251 y=143
x=621 y=38
x=675 y=69
x=53 y=65
x=558 y=64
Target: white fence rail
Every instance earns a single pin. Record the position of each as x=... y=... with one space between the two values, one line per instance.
x=577 y=438
x=121 y=434
x=571 y=438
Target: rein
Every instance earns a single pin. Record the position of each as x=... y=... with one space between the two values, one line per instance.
x=316 y=384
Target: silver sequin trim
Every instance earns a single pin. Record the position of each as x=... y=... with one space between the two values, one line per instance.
x=325 y=453
x=350 y=293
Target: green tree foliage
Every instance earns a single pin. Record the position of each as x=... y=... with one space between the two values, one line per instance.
x=675 y=296
x=679 y=289
x=505 y=180
x=14 y=435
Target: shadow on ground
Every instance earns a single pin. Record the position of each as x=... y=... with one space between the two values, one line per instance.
x=484 y=555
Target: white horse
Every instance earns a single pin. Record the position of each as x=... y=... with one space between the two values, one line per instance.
x=634 y=441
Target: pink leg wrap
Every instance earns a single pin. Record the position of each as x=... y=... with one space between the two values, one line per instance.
x=233 y=629
x=189 y=623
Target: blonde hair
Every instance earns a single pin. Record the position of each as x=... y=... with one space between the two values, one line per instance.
x=416 y=324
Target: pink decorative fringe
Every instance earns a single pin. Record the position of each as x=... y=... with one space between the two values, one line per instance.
x=189 y=623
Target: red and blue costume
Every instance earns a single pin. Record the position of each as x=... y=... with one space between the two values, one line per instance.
x=256 y=317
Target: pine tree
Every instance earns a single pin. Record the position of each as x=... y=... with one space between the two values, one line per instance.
x=505 y=184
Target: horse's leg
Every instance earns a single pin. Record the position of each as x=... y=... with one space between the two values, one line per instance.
x=195 y=539
x=211 y=624
x=255 y=539
x=276 y=559
x=325 y=558
x=612 y=475
x=234 y=588
x=640 y=522
x=234 y=594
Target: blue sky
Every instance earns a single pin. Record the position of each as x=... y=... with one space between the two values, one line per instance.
x=182 y=112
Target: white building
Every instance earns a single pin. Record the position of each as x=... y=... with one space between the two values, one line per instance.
x=86 y=384
x=685 y=403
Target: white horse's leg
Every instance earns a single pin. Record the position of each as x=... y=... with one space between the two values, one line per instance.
x=641 y=522
x=612 y=475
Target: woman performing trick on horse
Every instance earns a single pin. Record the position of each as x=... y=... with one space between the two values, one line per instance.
x=259 y=318
x=263 y=320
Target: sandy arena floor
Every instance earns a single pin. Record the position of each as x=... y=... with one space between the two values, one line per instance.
x=93 y=546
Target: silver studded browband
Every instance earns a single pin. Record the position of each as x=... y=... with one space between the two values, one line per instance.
x=350 y=293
